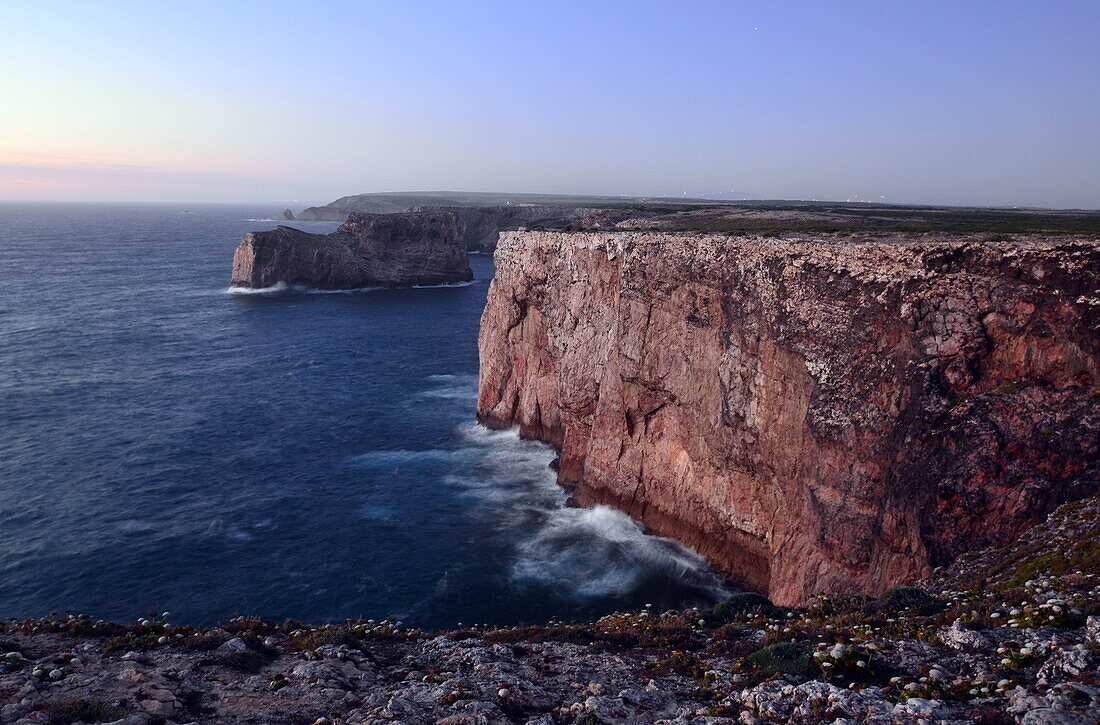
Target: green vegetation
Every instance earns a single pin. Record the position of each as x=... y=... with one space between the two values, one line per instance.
x=250 y=661
x=79 y=710
x=913 y=600
x=996 y=225
x=1077 y=556
x=784 y=658
x=1006 y=387
x=329 y=636
x=616 y=632
x=740 y=605
x=134 y=641
x=682 y=663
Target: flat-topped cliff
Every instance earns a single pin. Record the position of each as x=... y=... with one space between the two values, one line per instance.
x=368 y=250
x=479 y=226
x=815 y=413
x=390 y=202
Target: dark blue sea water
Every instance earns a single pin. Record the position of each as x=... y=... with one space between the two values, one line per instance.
x=168 y=445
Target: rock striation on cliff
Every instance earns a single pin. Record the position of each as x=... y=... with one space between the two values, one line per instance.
x=817 y=414
x=368 y=250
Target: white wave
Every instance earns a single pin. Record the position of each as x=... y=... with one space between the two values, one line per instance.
x=136 y=526
x=603 y=552
x=452 y=387
x=376 y=513
x=283 y=287
x=456 y=393
x=398 y=458
x=277 y=287
x=316 y=291
x=591 y=552
x=237 y=534
x=445 y=285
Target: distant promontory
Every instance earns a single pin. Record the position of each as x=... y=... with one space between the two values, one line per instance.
x=482 y=216
x=368 y=250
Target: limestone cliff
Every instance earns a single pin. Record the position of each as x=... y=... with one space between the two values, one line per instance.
x=368 y=250
x=813 y=414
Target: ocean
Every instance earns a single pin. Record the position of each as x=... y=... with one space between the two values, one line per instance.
x=168 y=445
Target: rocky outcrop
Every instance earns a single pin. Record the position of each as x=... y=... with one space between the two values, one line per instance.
x=288 y=214
x=829 y=414
x=345 y=206
x=368 y=250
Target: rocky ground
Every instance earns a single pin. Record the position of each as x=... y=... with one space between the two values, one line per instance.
x=1004 y=635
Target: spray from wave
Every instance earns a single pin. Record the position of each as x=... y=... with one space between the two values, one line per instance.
x=510 y=486
x=451 y=387
x=277 y=287
x=284 y=288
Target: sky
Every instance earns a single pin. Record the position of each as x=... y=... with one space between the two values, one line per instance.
x=962 y=102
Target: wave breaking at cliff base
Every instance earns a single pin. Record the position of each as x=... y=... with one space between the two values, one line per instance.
x=284 y=288
x=592 y=552
x=508 y=483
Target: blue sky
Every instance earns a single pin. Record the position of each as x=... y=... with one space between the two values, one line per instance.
x=926 y=102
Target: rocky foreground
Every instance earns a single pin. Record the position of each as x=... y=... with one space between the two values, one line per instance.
x=1003 y=635
x=368 y=250
x=813 y=412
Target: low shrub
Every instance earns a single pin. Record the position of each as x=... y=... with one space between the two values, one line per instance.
x=79 y=710
x=911 y=599
x=784 y=658
x=741 y=605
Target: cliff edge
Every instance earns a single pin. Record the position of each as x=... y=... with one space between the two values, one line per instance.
x=814 y=414
x=368 y=250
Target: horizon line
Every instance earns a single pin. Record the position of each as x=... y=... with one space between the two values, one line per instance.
x=642 y=198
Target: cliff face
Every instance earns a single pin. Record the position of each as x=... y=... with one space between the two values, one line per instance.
x=480 y=225
x=368 y=250
x=812 y=415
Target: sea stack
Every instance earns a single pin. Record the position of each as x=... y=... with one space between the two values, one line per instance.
x=814 y=413
x=368 y=250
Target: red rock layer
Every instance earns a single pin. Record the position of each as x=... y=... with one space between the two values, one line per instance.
x=818 y=415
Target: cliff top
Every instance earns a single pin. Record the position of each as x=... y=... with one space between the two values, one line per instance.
x=700 y=215
x=883 y=256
